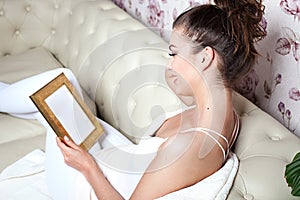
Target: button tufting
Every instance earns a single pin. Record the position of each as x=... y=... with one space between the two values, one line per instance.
x=53 y=31
x=248 y=197
x=2 y=12
x=6 y=54
x=28 y=8
x=17 y=32
x=244 y=115
x=275 y=138
x=91 y=32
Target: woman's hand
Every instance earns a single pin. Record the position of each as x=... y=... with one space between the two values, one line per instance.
x=82 y=161
x=75 y=156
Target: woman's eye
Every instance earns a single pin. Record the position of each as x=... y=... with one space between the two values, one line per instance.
x=172 y=54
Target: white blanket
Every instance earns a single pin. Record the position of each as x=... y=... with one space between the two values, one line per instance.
x=25 y=179
x=214 y=187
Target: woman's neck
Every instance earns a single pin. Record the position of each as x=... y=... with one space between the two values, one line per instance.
x=214 y=103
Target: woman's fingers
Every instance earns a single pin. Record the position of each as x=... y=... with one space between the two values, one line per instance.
x=70 y=143
x=74 y=155
x=63 y=147
x=60 y=144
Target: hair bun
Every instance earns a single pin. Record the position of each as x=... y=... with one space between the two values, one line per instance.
x=243 y=14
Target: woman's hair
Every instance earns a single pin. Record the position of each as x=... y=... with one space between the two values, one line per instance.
x=230 y=27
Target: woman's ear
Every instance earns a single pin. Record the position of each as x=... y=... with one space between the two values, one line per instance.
x=206 y=57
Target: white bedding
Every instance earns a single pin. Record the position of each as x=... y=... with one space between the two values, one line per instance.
x=25 y=179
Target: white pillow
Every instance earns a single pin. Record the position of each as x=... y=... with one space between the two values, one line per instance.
x=19 y=66
x=34 y=61
x=20 y=136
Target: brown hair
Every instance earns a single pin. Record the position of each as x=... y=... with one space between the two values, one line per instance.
x=230 y=27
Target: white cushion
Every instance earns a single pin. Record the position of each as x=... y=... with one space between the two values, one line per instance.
x=31 y=62
x=20 y=136
x=34 y=61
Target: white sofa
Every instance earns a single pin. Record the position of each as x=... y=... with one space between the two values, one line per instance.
x=119 y=63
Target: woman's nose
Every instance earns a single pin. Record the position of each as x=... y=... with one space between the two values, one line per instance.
x=170 y=63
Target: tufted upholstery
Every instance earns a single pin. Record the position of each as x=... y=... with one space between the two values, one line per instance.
x=264 y=147
x=120 y=63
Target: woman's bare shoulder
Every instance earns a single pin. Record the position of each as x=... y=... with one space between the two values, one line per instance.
x=176 y=166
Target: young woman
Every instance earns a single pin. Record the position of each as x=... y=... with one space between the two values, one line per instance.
x=211 y=47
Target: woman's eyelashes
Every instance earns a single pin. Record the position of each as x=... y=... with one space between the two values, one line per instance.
x=172 y=54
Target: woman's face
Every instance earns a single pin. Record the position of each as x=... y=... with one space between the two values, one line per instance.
x=181 y=72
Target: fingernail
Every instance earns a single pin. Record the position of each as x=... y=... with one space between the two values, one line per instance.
x=66 y=138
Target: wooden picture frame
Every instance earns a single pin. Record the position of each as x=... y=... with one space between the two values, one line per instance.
x=72 y=117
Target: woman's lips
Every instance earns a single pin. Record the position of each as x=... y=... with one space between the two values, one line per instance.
x=174 y=77
x=170 y=74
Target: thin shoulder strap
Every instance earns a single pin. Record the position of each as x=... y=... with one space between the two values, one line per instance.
x=207 y=132
x=235 y=131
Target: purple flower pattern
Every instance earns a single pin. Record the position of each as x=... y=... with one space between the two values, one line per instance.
x=294 y=94
x=264 y=23
x=175 y=13
x=193 y=3
x=291 y=7
x=268 y=89
x=286 y=115
x=120 y=3
x=138 y=14
x=290 y=42
x=155 y=14
x=248 y=85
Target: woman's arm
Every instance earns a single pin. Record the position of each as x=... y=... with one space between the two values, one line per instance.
x=176 y=165
x=81 y=160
